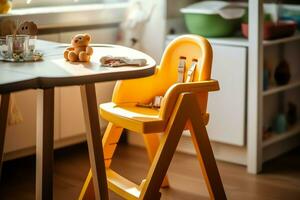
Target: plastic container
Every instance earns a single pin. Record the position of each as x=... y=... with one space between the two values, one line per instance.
x=284 y=28
x=213 y=18
x=290 y=12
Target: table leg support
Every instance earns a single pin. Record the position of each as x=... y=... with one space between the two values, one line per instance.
x=44 y=144
x=94 y=138
x=3 y=124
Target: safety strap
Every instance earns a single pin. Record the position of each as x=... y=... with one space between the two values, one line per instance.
x=180 y=69
x=156 y=103
x=191 y=71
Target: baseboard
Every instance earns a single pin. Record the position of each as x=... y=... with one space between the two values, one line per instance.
x=57 y=144
x=223 y=152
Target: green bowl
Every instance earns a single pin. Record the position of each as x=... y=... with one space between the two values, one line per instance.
x=211 y=25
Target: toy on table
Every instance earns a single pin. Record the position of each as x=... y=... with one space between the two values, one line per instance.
x=5 y=6
x=79 y=51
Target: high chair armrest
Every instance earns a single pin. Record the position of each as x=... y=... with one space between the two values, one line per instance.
x=175 y=90
x=196 y=87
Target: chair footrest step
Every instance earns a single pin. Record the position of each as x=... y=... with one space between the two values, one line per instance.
x=122 y=186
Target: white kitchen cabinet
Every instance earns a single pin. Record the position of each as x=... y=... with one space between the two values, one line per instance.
x=227 y=106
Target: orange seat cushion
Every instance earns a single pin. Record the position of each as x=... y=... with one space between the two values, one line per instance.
x=131 y=117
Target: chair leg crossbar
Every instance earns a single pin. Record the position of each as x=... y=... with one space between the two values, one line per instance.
x=161 y=150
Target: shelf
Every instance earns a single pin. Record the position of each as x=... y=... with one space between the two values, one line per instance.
x=282 y=136
x=292 y=38
x=241 y=41
x=277 y=89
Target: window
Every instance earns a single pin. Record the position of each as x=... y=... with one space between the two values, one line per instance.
x=37 y=3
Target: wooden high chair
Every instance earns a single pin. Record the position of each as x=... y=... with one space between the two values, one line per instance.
x=183 y=107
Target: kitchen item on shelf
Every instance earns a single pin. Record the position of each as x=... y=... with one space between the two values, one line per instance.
x=280 y=123
x=282 y=73
x=267 y=132
x=266 y=78
x=292 y=115
x=283 y=28
x=289 y=12
x=213 y=18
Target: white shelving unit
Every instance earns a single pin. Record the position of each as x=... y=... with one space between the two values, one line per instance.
x=276 y=89
x=251 y=151
x=277 y=137
x=293 y=38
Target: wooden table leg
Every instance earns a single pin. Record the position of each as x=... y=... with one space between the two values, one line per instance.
x=95 y=148
x=3 y=124
x=44 y=144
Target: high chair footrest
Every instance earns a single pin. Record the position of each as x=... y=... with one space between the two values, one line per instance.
x=122 y=186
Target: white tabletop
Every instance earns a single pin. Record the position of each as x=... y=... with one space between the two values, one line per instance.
x=54 y=71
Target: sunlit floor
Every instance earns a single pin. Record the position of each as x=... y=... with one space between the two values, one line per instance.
x=280 y=180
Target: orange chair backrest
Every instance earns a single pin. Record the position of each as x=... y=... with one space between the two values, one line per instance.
x=191 y=47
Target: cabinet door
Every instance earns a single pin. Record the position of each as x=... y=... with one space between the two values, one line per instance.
x=227 y=106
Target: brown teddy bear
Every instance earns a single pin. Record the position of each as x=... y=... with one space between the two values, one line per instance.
x=27 y=28
x=79 y=50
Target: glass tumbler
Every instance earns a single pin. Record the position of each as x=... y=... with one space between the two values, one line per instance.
x=17 y=46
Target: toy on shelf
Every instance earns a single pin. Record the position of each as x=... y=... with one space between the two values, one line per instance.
x=292 y=115
x=5 y=6
x=280 y=123
x=266 y=78
x=282 y=73
x=79 y=51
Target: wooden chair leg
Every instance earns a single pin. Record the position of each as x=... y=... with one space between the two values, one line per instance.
x=3 y=124
x=205 y=154
x=165 y=151
x=109 y=141
x=186 y=108
x=152 y=143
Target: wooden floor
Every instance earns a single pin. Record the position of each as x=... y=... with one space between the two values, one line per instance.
x=280 y=179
